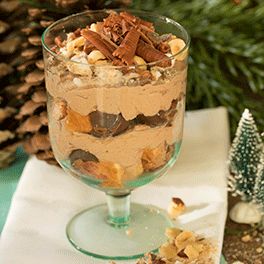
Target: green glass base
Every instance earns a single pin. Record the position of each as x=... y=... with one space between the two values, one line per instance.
x=91 y=233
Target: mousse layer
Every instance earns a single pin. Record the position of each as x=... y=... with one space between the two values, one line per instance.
x=148 y=99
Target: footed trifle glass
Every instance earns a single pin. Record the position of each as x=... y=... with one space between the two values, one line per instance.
x=116 y=83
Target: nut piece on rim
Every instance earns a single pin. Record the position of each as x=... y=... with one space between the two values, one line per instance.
x=176 y=207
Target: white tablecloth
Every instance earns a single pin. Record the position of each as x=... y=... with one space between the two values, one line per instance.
x=46 y=198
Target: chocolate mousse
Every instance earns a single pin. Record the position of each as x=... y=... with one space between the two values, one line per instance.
x=116 y=99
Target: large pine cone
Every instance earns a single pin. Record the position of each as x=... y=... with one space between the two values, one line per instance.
x=32 y=115
x=10 y=48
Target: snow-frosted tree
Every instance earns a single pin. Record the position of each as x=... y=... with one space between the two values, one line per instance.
x=244 y=158
x=259 y=186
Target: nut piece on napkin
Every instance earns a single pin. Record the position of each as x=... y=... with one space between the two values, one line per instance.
x=176 y=207
x=182 y=247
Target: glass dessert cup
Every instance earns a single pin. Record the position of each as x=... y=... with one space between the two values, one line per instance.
x=115 y=128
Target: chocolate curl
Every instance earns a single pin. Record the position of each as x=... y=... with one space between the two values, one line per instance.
x=105 y=47
x=150 y=54
x=88 y=47
x=136 y=21
x=127 y=49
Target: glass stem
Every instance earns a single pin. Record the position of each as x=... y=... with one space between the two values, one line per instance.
x=118 y=209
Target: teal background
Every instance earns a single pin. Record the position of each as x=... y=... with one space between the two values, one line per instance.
x=8 y=182
x=9 y=178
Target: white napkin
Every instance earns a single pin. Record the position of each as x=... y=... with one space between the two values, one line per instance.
x=46 y=198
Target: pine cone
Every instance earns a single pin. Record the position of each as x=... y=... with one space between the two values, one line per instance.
x=10 y=44
x=32 y=115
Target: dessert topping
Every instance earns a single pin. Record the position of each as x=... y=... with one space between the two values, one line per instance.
x=119 y=38
x=105 y=47
x=150 y=54
x=127 y=48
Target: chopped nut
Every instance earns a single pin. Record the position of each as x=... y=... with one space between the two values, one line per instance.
x=79 y=65
x=93 y=27
x=111 y=173
x=198 y=246
x=177 y=45
x=168 y=251
x=75 y=43
x=101 y=62
x=172 y=232
x=128 y=232
x=139 y=61
x=191 y=252
x=153 y=158
x=183 y=239
x=176 y=207
x=59 y=109
x=155 y=73
x=77 y=123
x=181 y=254
x=246 y=238
x=134 y=171
x=95 y=56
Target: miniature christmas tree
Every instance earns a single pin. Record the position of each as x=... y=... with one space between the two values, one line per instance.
x=259 y=187
x=244 y=158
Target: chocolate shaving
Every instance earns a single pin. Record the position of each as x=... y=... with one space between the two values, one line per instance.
x=150 y=54
x=125 y=26
x=88 y=47
x=145 y=38
x=106 y=38
x=126 y=50
x=77 y=32
x=105 y=47
x=145 y=28
x=164 y=47
x=136 y=21
x=112 y=20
